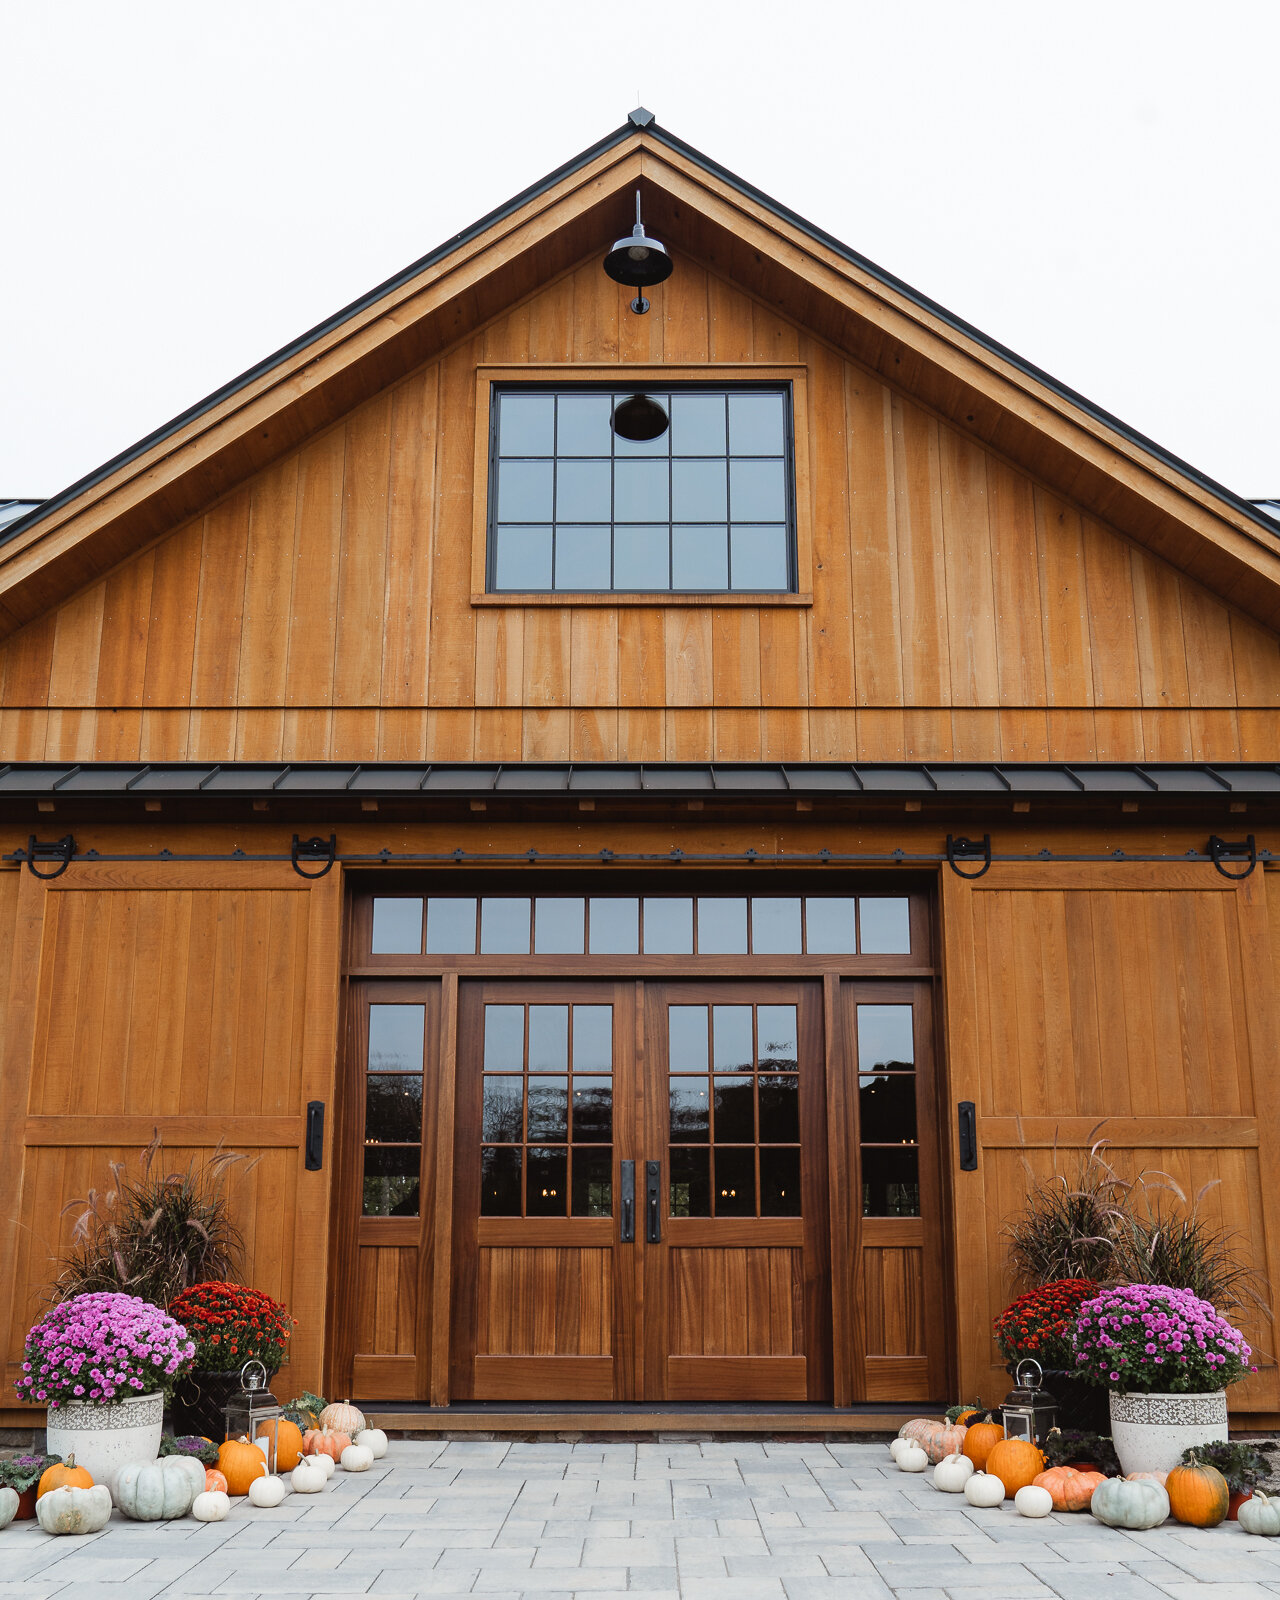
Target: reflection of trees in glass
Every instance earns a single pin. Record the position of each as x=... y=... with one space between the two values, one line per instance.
x=391 y=1197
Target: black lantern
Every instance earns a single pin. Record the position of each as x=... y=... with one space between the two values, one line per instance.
x=638 y=261
x=1029 y=1412
x=254 y=1412
x=639 y=417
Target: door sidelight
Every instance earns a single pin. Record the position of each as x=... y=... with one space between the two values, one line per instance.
x=628 y=1233
x=653 y=1202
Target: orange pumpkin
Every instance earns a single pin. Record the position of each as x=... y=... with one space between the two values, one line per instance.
x=936 y=1439
x=64 y=1476
x=980 y=1439
x=962 y=1419
x=1016 y=1463
x=1198 y=1494
x=288 y=1443
x=213 y=1479
x=324 y=1442
x=1071 y=1490
x=240 y=1463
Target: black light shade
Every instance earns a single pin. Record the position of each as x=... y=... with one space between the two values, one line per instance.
x=638 y=261
x=639 y=418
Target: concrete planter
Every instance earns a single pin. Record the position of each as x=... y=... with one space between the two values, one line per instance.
x=105 y=1436
x=1150 y=1431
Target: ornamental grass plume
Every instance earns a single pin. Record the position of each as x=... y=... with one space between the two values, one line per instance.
x=102 y=1347
x=1150 y=1338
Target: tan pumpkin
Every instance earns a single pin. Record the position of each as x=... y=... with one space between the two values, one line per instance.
x=936 y=1439
x=240 y=1463
x=325 y=1442
x=980 y=1439
x=1071 y=1490
x=66 y=1475
x=1198 y=1494
x=288 y=1443
x=1143 y=1477
x=1016 y=1463
x=343 y=1417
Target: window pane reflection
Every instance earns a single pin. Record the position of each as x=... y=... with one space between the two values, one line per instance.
x=548 y=1038
x=722 y=926
x=397 y=927
x=690 y=1194
x=593 y=1183
x=668 y=927
x=504 y=927
x=887 y=1108
x=500 y=1181
x=451 y=925
x=396 y=1038
x=546 y=1189
x=503 y=1038
x=775 y=926
x=830 y=926
x=615 y=926
x=731 y=1032
x=503 y=1110
x=885 y=1037
x=391 y=1180
x=558 y=927
x=890 y=1183
x=735 y=1183
x=393 y=1109
x=884 y=927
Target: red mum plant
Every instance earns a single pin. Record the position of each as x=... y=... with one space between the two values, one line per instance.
x=231 y=1325
x=1039 y=1324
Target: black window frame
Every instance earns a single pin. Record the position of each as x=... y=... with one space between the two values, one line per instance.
x=652 y=385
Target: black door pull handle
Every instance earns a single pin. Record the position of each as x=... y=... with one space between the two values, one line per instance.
x=653 y=1202
x=628 y=1233
x=967 y=1114
x=314 y=1152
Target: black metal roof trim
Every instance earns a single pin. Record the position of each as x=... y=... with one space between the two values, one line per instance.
x=1250 y=509
x=871 y=780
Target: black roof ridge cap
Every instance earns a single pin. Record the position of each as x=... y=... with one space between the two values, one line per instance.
x=926 y=303
x=296 y=345
x=652 y=130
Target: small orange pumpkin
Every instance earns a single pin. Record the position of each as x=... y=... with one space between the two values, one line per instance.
x=240 y=1463
x=1071 y=1490
x=962 y=1419
x=213 y=1479
x=980 y=1439
x=64 y=1476
x=288 y=1443
x=324 y=1442
x=1016 y=1463
x=1198 y=1494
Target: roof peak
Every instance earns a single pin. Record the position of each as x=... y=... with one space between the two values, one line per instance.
x=640 y=117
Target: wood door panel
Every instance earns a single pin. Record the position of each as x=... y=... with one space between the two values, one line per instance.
x=893 y=1302
x=736 y=1302
x=384 y=1377
x=741 y=1378
x=898 y=1378
x=519 y=1377
x=544 y=1302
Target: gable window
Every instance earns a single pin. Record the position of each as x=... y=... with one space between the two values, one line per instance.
x=705 y=506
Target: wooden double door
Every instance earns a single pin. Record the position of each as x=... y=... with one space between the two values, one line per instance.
x=640 y=1206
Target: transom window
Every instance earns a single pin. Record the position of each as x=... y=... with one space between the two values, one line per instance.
x=704 y=506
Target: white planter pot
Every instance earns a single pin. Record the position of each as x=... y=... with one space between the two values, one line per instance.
x=104 y=1437
x=1150 y=1431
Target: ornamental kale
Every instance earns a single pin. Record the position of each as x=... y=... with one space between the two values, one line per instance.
x=1152 y=1339
x=24 y=1472
x=1039 y=1324
x=102 y=1347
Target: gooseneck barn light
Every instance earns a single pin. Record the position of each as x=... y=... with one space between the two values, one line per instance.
x=638 y=261
x=639 y=417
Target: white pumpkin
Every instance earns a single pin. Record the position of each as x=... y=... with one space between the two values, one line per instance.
x=372 y=1439
x=266 y=1491
x=343 y=1417
x=952 y=1473
x=984 y=1489
x=71 y=1510
x=1033 y=1500
x=326 y=1464
x=157 y=1491
x=913 y=1460
x=1260 y=1514
x=211 y=1505
x=356 y=1458
x=8 y=1506
x=309 y=1477
x=898 y=1445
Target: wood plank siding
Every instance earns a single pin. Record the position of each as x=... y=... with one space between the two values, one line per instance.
x=959 y=609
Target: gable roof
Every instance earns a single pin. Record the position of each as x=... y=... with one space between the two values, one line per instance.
x=1229 y=543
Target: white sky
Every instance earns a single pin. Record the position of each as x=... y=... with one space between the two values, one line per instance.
x=184 y=187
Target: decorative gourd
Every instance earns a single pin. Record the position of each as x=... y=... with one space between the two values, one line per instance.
x=8 y=1505
x=326 y=1464
x=211 y=1506
x=980 y=1439
x=1198 y=1494
x=66 y=1475
x=324 y=1442
x=155 y=1491
x=1132 y=1503
x=1016 y=1463
x=372 y=1439
x=266 y=1492
x=936 y=1439
x=72 y=1509
x=356 y=1458
x=1143 y=1477
x=897 y=1446
x=913 y=1459
x=983 y=1489
x=343 y=1417
x=288 y=1443
x=240 y=1463
x=191 y=1466
x=952 y=1473
x=1258 y=1514
x=1070 y=1490
x=214 y=1481
x=1032 y=1501
x=309 y=1477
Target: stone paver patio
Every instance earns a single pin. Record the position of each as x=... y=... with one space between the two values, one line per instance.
x=710 y=1520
